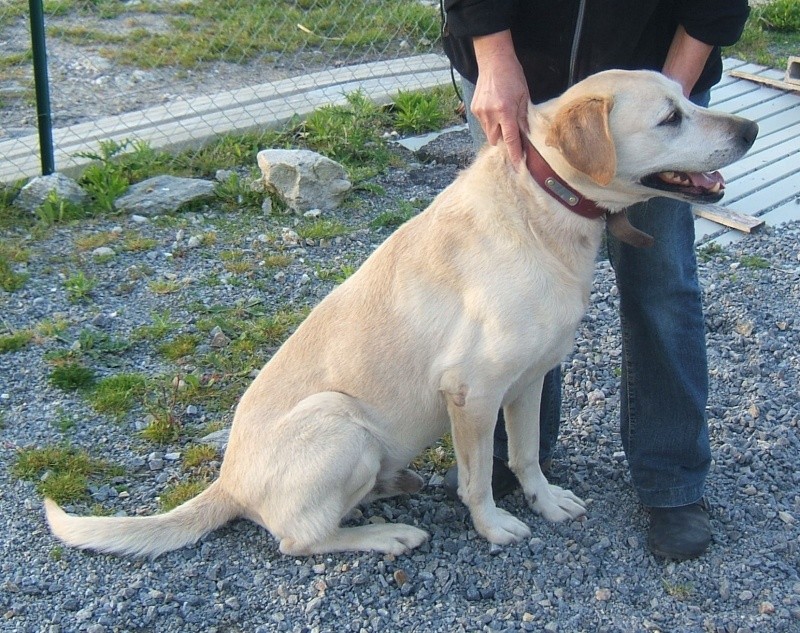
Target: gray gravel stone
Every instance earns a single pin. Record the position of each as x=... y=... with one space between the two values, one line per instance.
x=594 y=575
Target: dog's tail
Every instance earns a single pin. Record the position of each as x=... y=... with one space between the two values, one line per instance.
x=146 y=536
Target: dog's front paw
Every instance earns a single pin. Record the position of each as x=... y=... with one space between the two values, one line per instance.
x=556 y=504
x=502 y=528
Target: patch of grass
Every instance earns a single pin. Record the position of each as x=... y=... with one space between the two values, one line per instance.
x=182 y=345
x=164 y=286
x=337 y=275
x=116 y=395
x=72 y=376
x=439 y=457
x=162 y=324
x=56 y=210
x=205 y=31
x=709 y=251
x=679 y=591
x=79 y=287
x=763 y=43
x=137 y=243
x=351 y=134
x=50 y=328
x=15 y=342
x=198 y=454
x=90 y=241
x=754 y=261
x=63 y=472
x=424 y=111
x=278 y=260
x=175 y=495
x=236 y=194
x=779 y=15
x=392 y=219
x=164 y=406
x=96 y=344
x=321 y=230
x=10 y=280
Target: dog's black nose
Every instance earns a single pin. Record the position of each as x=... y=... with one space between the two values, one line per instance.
x=749 y=132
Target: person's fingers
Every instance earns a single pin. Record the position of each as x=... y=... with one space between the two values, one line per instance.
x=513 y=141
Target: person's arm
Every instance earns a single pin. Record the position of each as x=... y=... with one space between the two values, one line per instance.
x=704 y=24
x=686 y=59
x=501 y=96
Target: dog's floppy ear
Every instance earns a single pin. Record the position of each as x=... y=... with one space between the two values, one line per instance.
x=580 y=132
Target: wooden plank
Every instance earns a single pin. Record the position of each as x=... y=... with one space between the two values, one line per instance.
x=778 y=193
x=789 y=212
x=784 y=101
x=728 y=217
x=776 y=171
x=766 y=81
x=759 y=160
x=777 y=123
x=750 y=99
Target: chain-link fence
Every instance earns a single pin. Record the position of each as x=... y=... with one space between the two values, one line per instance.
x=178 y=72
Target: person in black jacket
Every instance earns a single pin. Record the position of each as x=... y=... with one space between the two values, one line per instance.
x=509 y=52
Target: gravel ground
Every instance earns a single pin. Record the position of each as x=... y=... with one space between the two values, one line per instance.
x=594 y=575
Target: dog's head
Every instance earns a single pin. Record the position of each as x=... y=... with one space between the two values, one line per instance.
x=627 y=136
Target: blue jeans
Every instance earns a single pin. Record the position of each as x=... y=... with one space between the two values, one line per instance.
x=664 y=367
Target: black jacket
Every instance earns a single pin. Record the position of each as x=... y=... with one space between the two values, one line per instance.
x=559 y=42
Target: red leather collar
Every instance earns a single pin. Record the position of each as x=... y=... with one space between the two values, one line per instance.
x=550 y=181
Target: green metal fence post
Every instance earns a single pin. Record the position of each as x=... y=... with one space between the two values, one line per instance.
x=43 y=117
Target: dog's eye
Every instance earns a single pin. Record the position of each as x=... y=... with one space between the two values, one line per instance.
x=674 y=118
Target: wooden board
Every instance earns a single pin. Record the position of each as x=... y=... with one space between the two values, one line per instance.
x=727 y=217
x=766 y=81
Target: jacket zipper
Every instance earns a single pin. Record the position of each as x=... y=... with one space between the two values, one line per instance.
x=576 y=41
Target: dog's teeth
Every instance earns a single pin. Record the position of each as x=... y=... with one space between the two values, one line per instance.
x=715 y=188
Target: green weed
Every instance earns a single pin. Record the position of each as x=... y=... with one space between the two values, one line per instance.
x=116 y=395
x=754 y=261
x=72 y=376
x=321 y=230
x=424 y=111
x=79 y=287
x=56 y=210
x=709 y=251
x=175 y=495
x=15 y=342
x=10 y=281
x=182 y=345
x=779 y=15
x=62 y=472
x=198 y=454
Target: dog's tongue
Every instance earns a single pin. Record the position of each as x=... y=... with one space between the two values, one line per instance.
x=706 y=180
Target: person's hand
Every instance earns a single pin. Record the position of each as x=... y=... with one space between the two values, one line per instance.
x=501 y=98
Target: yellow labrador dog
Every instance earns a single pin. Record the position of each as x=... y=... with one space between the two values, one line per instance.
x=461 y=311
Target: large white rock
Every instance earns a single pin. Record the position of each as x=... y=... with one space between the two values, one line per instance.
x=304 y=179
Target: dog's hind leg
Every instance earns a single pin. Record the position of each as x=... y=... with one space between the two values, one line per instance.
x=401 y=482
x=522 y=425
x=329 y=461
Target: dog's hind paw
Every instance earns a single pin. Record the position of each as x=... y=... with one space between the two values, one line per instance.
x=556 y=504
x=388 y=538
x=392 y=538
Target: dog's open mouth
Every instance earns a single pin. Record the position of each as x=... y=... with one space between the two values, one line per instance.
x=701 y=186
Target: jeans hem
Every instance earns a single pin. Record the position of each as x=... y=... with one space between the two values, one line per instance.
x=671 y=497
